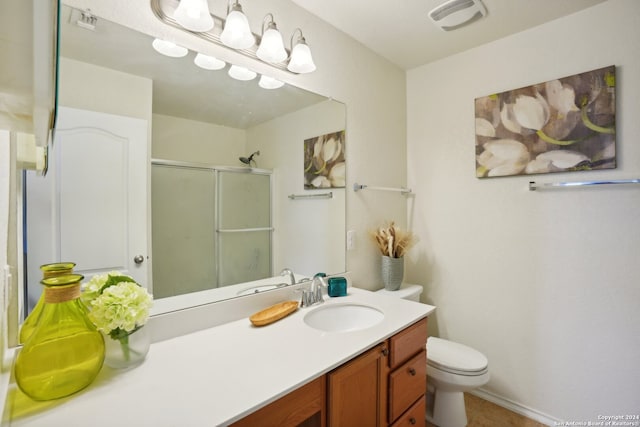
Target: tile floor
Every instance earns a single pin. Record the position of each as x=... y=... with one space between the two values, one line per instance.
x=482 y=413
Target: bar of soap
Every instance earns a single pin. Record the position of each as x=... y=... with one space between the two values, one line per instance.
x=273 y=313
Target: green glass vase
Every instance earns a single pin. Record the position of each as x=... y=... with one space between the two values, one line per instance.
x=48 y=271
x=65 y=352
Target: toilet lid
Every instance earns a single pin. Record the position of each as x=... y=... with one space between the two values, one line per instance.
x=454 y=356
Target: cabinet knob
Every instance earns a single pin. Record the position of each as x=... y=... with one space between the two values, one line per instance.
x=138 y=259
x=385 y=351
x=412 y=371
x=412 y=421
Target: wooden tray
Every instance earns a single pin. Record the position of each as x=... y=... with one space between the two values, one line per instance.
x=273 y=313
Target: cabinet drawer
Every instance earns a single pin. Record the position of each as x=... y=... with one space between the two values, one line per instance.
x=414 y=417
x=407 y=384
x=407 y=343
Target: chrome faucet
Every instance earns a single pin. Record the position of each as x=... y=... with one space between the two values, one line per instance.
x=288 y=272
x=313 y=295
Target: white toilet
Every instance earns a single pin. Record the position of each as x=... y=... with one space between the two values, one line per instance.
x=452 y=369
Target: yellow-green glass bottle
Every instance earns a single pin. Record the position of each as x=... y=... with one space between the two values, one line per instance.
x=48 y=270
x=65 y=352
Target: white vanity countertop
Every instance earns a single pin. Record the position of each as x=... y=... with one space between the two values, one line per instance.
x=218 y=375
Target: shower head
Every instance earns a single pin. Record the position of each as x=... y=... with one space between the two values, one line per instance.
x=248 y=160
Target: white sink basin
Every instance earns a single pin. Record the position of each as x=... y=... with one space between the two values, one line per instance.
x=343 y=317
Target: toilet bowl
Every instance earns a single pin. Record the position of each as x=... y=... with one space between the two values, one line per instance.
x=452 y=369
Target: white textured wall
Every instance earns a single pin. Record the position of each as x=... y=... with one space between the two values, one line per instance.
x=546 y=284
x=94 y=88
x=308 y=235
x=174 y=138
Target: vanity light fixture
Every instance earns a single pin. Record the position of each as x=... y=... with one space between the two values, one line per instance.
x=301 y=60
x=241 y=73
x=267 y=82
x=194 y=15
x=234 y=32
x=208 y=62
x=237 y=33
x=168 y=48
x=271 y=47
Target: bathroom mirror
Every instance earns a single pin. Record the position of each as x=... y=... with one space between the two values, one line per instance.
x=202 y=119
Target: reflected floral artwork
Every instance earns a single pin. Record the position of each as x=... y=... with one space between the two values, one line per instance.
x=324 y=162
x=562 y=125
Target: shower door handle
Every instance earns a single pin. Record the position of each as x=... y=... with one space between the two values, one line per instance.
x=138 y=259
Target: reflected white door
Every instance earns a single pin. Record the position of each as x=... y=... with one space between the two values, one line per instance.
x=92 y=206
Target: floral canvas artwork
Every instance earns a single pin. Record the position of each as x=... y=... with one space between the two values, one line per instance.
x=562 y=125
x=324 y=161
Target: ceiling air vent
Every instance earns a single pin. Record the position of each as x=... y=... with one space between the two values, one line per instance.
x=454 y=14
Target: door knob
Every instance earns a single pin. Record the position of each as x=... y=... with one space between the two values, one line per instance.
x=138 y=259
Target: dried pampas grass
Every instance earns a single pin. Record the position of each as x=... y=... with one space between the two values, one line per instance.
x=392 y=241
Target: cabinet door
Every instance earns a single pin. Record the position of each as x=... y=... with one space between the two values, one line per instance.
x=357 y=390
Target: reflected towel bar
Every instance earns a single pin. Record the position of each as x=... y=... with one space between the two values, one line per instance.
x=243 y=230
x=402 y=190
x=311 y=196
x=533 y=186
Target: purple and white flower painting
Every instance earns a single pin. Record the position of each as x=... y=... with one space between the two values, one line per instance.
x=562 y=125
x=324 y=161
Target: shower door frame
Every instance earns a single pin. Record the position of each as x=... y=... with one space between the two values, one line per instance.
x=219 y=231
x=216 y=169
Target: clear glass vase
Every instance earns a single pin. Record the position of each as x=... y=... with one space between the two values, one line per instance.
x=128 y=351
x=65 y=352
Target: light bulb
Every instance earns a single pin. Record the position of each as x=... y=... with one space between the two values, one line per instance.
x=271 y=47
x=236 y=33
x=208 y=62
x=194 y=15
x=301 y=60
x=267 y=82
x=168 y=48
x=241 y=73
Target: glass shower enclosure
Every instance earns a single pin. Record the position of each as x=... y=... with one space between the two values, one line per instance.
x=211 y=226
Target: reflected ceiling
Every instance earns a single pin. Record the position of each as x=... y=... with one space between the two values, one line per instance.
x=180 y=88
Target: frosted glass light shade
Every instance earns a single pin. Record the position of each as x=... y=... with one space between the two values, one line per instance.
x=241 y=73
x=208 y=62
x=236 y=33
x=194 y=15
x=301 y=60
x=169 y=48
x=271 y=47
x=267 y=82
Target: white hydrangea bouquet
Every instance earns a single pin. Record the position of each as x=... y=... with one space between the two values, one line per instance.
x=118 y=306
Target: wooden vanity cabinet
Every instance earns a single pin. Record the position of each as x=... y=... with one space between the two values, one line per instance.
x=385 y=386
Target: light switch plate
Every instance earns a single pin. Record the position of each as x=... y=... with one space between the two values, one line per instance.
x=351 y=240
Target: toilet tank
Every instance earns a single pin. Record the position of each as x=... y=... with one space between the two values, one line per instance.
x=406 y=291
